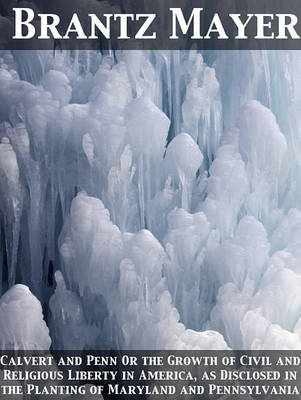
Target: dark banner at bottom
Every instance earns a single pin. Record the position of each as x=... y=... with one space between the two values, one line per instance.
x=150 y=374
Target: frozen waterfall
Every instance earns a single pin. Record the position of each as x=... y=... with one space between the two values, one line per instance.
x=150 y=200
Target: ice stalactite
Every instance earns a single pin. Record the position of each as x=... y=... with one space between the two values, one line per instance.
x=227 y=187
x=185 y=245
x=201 y=109
x=10 y=205
x=262 y=147
x=121 y=190
x=147 y=130
x=68 y=325
x=183 y=159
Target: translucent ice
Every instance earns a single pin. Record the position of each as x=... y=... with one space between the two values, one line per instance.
x=202 y=108
x=183 y=159
x=10 y=204
x=133 y=234
x=227 y=187
x=262 y=146
x=119 y=287
x=147 y=128
x=185 y=245
x=58 y=85
x=69 y=327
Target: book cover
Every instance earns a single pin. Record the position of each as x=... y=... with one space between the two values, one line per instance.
x=150 y=222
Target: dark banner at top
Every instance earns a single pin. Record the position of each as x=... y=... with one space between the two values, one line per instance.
x=150 y=24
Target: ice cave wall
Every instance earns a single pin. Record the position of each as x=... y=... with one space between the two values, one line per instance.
x=150 y=200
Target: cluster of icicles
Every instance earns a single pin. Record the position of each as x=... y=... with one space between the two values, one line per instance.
x=150 y=200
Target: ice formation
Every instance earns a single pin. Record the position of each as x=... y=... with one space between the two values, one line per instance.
x=21 y=321
x=150 y=200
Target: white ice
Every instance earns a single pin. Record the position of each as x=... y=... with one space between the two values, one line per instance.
x=22 y=326
x=151 y=199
